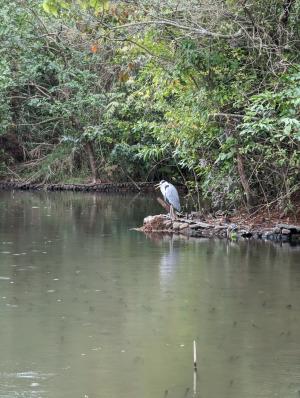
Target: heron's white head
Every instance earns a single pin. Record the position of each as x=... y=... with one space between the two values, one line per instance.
x=160 y=184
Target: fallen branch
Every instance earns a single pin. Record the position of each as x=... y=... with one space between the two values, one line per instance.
x=163 y=204
x=14 y=173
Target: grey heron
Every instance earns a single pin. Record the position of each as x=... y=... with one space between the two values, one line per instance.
x=170 y=195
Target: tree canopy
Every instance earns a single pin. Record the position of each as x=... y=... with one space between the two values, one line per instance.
x=206 y=93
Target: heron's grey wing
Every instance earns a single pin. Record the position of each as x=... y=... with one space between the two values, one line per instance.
x=163 y=191
x=173 y=197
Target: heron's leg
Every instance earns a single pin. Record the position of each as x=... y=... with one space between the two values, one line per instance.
x=172 y=212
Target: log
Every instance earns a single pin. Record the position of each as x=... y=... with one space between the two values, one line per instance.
x=164 y=204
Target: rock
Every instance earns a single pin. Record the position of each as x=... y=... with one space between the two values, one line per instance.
x=183 y=226
x=220 y=227
x=155 y=223
x=186 y=221
x=196 y=214
x=168 y=224
x=277 y=237
x=200 y=225
x=195 y=233
x=222 y=234
x=159 y=217
x=292 y=228
x=268 y=235
x=148 y=219
x=176 y=225
x=285 y=231
x=245 y=234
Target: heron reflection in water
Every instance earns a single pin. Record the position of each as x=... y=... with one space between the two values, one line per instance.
x=168 y=262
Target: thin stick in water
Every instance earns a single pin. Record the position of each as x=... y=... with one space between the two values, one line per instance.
x=195 y=356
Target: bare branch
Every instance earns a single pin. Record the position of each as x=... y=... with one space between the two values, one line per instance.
x=231 y=115
x=191 y=29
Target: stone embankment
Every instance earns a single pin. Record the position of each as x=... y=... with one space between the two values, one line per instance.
x=215 y=229
x=97 y=187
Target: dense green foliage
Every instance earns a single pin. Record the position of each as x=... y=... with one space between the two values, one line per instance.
x=207 y=95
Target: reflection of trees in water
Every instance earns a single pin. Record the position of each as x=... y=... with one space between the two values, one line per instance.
x=86 y=212
x=63 y=224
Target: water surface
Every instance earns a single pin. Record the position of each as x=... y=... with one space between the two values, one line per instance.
x=89 y=308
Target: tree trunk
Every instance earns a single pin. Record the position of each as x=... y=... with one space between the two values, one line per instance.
x=244 y=180
x=91 y=155
x=10 y=144
x=287 y=6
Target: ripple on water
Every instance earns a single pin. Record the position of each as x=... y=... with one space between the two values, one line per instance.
x=32 y=375
x=31 y=384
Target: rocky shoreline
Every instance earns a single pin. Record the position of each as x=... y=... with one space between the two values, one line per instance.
x=198 y=228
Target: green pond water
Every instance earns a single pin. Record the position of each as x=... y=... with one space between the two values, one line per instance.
x=92 y=309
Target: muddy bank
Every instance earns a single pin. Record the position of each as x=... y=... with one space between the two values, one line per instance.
x=98 y=187
x=217 y=228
